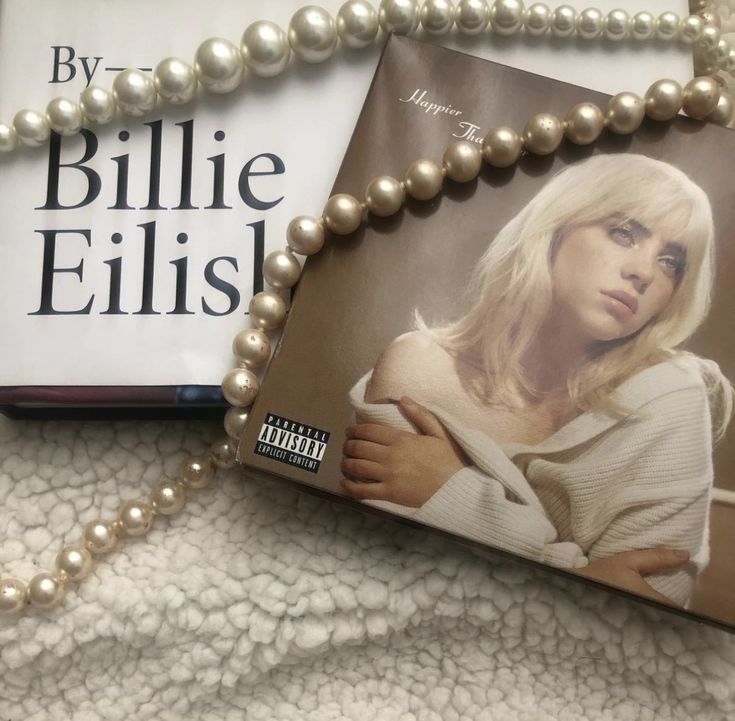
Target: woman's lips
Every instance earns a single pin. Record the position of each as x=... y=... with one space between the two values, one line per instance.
x=623 y=300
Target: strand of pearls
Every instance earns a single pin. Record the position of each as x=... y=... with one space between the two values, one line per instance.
x=313 y=35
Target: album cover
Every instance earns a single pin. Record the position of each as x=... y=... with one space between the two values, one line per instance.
x=538 y=361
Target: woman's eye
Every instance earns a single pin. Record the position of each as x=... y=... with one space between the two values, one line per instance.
x=673 y=264
x=622 y=234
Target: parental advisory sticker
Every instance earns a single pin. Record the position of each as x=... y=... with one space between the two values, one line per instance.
x=291 y=442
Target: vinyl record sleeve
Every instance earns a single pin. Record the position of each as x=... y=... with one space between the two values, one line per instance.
x=363 y=291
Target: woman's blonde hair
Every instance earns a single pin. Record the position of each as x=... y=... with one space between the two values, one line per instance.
x=512 y=287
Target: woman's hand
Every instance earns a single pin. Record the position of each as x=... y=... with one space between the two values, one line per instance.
x=628 y=570
x=392 y=465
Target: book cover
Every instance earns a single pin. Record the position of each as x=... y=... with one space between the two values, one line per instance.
x=605 y=264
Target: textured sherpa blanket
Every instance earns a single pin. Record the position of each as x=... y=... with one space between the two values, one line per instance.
x=261 y=602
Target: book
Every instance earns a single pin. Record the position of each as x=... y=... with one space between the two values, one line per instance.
x=131 y=250
x=637 y=465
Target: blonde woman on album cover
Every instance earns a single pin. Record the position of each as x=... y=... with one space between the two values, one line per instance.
x=558 y=418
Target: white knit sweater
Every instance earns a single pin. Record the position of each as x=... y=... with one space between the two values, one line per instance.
x=597 y=487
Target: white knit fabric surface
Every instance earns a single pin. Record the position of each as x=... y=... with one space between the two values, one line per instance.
x=261 y=602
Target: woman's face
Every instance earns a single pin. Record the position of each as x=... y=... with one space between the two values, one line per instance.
x=611 y=278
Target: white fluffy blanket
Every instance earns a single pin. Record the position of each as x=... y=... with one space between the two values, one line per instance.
x=261 y=602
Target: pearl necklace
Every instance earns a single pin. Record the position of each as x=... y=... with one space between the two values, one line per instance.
x=313 y=35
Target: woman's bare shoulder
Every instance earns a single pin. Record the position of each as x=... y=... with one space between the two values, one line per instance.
x=408 y=366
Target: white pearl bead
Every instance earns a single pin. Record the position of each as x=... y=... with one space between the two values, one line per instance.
x=700 y=97
x=664 y=100
x=423 y=179
x=384 y=196
x=168 y=497
x=590 y=23
x=64 y=116
x=281 y=269
x=537 y=19
x=437 y=16
x=721 y=53
x=462 y=161
x=98 y=104
x=398 y=16
x=251 y=347
x=219 y=65
x=267 y=310
x=223 y=453
x=135 y=93
x=75 y=562
x=198 y=471
x=99 y=537
x=342 y=214
x=584 y=123
x=724 y=111
x=31 y=127
x=501 y=147
x=136 y=518
x=305 y=235
x=175 y=81
x=357 y=24
x=312 y=34
x=642 y=26
x=45 y=591
x=12 y=596
x=265 y=48
x=239 y=387
x=543 y=134
x=667 y=26
x=625 y=112
x=563 y=21
x=709 y=38
x=690 y=29
x=472 y=16
x=8 y=138
x=235 y=422
x=506 y=16
x=617 y=25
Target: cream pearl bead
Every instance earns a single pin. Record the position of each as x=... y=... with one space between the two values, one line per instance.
x=198 y=472
x=223 y=453
x=437 y=17
x=251 y=347
x=8 y=138
x=281 y=269
x=462 y=161
x=642 y=26
x=590 y=23
x=664 y=100
x=45 y=590
x=175 y=81
x=342 y=214
x=537 y=19
x=136 y=518
x=235 y=422
x=312 y=34
x=625 y=113
x=584 y=123
x=617 y=25
x=64 y=116
x=357 y=24
x=219 y=65
x=267 y=310
x=384 y=196
x=31 y=127
x=667 y=26
x=398 y=16
x=709 y=38
x=724 y=111
x=690 y=29
x=12 y=596
x=563 y=21
x=240 y=386
x=472 y=16
x=700 y=97
x=506 y=16
x=721 y=53
x=265 y=49
x=99 y=537
x=711 y=18
x=75 y=561
x=502 y=147
x=134 y=92
x=305 y=235
x=168 y=497
x=543 y=134
x=98 y=104
x=423 y=179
